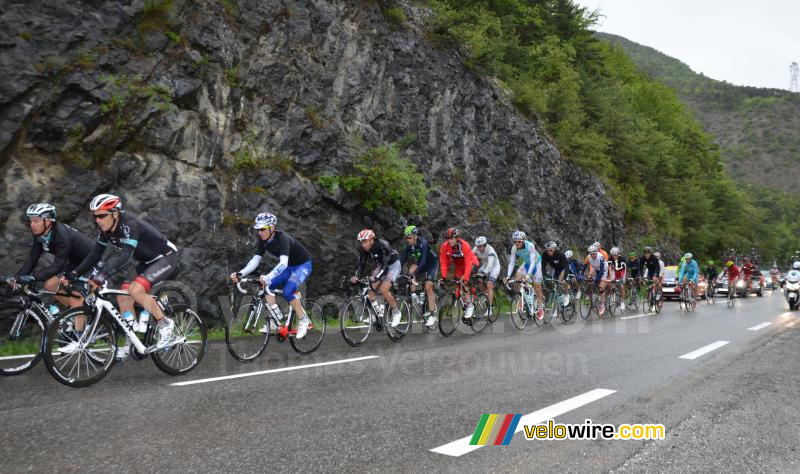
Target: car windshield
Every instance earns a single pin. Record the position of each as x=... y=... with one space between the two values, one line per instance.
x=670 y=274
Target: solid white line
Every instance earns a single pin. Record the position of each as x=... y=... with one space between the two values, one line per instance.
x=703 y=350
x=635 y=316
x=461 y=446
x=759 y=326
x=273 y=371
x=23 y=356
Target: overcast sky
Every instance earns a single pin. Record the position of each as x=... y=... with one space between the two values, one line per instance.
x=743 y=42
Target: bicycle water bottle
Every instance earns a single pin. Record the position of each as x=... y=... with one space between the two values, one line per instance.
x=128 y=316
x=53 y=309
x=144 y=320
x=529 y=299
x=378 y=308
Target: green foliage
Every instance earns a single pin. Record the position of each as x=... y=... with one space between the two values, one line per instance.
x=251 y=156
x=25 y=35
x=317 y=119
x=231 y=77
x=605 y=114
x=155 y=16
x=502 y=216
x=382 y=177
x=172 y=36
x=395 y=16
x=231 y=7
x=129 y=95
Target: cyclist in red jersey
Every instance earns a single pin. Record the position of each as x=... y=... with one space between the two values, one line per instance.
x=732 y=271
x=457 y=251
x=747 y=270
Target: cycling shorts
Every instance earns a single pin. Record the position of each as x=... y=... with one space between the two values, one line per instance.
x=537 y=273
x=391 y=273
x=291 y=279
x=148 y=274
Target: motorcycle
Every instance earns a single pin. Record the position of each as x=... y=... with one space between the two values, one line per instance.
x=791 y=289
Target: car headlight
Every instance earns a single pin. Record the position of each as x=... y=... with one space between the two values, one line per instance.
x=740 y=284
x=793 y=286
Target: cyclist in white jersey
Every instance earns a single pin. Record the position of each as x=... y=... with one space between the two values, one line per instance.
x=598 y=271
x=530 y=267
x=490 y=265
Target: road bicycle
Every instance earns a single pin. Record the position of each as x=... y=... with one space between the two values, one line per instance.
x=731 y=296
x=361 y=315
x=94 y=355
x=523 y=304
x=481 y=279
x=654 y=300
x=247 y=333
x=687 y=300
x=711 y=291
x=558 y=300
x=455 y=302
x=632 y=294
x=572 y=298
x=417 y=300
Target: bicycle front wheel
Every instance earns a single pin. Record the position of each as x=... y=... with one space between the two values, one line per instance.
x=480 y=317
x=398 y=332
x=585 y=302
x=188 y=345
x=243 y=334
x=450 y=312
x=86 y=364
x=316 y=329
x=519 y=313
x=355 y=322
x=22 y=334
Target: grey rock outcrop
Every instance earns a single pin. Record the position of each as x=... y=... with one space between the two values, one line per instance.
x=163 y=107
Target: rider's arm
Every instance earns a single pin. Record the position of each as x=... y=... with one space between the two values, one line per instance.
x=61 y=259
x=512 y=260
x=93 y=257
x=33 y=258
x=491 y=262
x=251 y=266
x=424 y=249
x=444 y=261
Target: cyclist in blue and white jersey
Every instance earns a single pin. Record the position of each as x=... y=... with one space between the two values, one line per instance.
x=598 y=270
x=490 y=265
x=689 y=271
x=530 y=266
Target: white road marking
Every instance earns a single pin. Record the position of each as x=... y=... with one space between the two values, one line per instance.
x=704 y=350
x=461 y=446
x=23 y=356
x=759 y=326
x=635 y=316
x=273 y=371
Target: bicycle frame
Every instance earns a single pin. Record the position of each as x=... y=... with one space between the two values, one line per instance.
x=259 y=305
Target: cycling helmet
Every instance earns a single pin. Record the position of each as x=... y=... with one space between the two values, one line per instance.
x=518 y=235
x=599 y=245
x=615 y=251
x=452 y=232
x=658 y=255
x=480 y=241
x=43 y=210
x=410 y=230
x=729 y=263
x=648 y=250
x=105 y=202
x=688 y=255
x=264 y=220
x=711 y=262
x=568 y=254
x=550 y=245
x=633 y=254
x=796 y=266
x=592 y=248
x=365 y=235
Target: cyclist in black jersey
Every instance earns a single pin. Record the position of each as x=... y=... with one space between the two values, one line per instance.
x=555 y=259
x=633 y=265
x=711 y=273
x=426 y=266
x=292 y=270
x=137 y=240
x=68 y=246
x=379 y=251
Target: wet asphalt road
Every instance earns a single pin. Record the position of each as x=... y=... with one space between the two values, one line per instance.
x=734 y=408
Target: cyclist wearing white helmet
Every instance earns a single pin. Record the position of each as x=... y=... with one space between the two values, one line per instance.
x=490 y=265
x=555 y=259
x=599 y=250
x=598 y=271
x=379 y=251
x=617 y=272
x=690 y=271
x=292 y=270
x=529 y=266
x=427 y=265
x=573 y=266
x=661 y=268
x=137 y=240
x=68 y=246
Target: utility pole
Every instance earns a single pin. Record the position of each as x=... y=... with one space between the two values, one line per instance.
x=793 y=70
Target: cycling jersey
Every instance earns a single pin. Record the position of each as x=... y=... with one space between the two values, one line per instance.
x=294 y=263
x=490 y=262
x=690 y=270
x=461 y=255
x=381 y=253
x=68 y=245
x=601 y=252
x=137 y=240
x=422 y=253
x=598 y=265
x=748 y=269
x=652 y=265
x=527 y=255
x=575 y=268
x=733 y=272
x=557 y=261
x=711 y=273
x=617 y=269
x=633 y=268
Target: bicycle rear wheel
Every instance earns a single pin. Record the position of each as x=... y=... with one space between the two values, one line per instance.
x=22 y=334
x=355 y=322
x=316 y=329
x=585 y=302
x=88 y=364
x=569 y=307
x=480 y=317
x=242 y=333
x=450 y=313
x=189 y=341
x=398 y=332
x=519 y=313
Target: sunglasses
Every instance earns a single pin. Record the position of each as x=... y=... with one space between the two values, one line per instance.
x=99 y=217
x=263 y=229
x=409 y=237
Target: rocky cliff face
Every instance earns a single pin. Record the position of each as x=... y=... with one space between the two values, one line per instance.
x=202 y=113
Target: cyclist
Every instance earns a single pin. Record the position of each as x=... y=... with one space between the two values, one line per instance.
x=747 y=270
x=733 y=273
x=598 y=270
x=573 y=266
x=137 y=240
x=662 y=268
x=422 y=253
x=711 y=273
x=633 y=266
x=600 y=250
x=530 y=266
x=490 y=265
x=689 y=272
x=457 y=250
x=617 y=271
x=650 y=266
x=292 y=270
x=380 y=252
x=774 y=273
x=68 y=246
x=555 y=259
